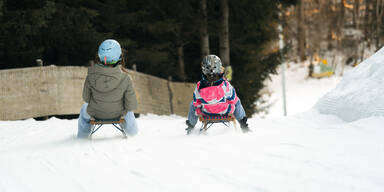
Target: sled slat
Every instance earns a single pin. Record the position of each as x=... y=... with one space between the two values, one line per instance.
x=107 y=121
x=216 y=118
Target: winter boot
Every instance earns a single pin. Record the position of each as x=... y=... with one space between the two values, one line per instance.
x=189 y=128
x=244 y=125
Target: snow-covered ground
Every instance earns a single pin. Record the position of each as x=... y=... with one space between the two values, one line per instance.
x=306 y=151
x=360 y=93
x=302 y=93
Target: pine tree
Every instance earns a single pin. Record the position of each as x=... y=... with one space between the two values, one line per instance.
x=252 y=28
x=162 y=30
x=71 y=38
x=21 y=23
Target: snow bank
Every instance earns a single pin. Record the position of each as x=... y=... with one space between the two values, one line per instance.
x=302 y=93
x=359 y=94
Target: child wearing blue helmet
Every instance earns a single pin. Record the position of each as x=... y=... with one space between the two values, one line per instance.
x=108 y=92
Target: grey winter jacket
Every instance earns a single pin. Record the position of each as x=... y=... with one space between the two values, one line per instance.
x=108 y=92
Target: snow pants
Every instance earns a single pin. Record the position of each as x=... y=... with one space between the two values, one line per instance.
x=84 y=126
x=239 y=113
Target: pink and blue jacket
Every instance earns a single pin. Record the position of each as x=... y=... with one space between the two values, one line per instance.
x=217 y=99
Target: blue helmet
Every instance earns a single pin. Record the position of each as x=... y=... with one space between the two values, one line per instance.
x=109 y=52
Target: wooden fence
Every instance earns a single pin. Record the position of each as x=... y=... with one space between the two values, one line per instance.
x=43 y=91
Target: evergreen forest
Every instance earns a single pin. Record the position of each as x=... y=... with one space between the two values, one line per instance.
x=163 y=38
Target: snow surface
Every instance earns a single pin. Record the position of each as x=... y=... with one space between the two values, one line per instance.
x=302 y=93
x=360 y=93
x=309 y=151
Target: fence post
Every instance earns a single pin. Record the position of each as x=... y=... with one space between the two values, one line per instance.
x=39 y=62
x=137 y=115
x=170 y=94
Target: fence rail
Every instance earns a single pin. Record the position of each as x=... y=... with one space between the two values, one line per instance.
x=51 y=90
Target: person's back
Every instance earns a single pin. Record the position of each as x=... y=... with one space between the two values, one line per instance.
x=108 y=92
x=214 y=95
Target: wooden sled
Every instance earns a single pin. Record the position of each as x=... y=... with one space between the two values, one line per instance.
x=208 y=120
x=97 y=123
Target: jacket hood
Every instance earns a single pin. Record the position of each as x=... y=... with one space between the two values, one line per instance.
x=104 y=79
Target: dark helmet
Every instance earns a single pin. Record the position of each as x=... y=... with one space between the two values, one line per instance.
x=211 y=65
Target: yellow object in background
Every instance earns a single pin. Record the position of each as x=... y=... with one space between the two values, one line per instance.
x=325 y=62
x=228 y=73
x=322 y=70
x=323 y=74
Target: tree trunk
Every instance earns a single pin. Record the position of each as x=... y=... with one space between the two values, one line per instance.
x=355 y=14
x=366 y=25
x=372 y=23
x=365 y=38
x=339 y=31
x=1 y=7
x=379 y=17
x=356 y=18
x=180 y=61
x=330 y=17
x=224 y=34
x=204 y=36
x=300 y=30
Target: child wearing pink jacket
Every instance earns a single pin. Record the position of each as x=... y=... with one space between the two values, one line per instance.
x=214 y=96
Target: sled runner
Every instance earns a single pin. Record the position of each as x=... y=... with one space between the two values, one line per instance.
x=97 y=123
x=208 y=120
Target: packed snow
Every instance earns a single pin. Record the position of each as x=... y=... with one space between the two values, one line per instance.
x=360 y=93
x=310 y=150
x=301 y=92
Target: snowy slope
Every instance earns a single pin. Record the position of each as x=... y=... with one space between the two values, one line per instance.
x=360 y=93
x=311 y=152
x=302 y=93
x=308 y=152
